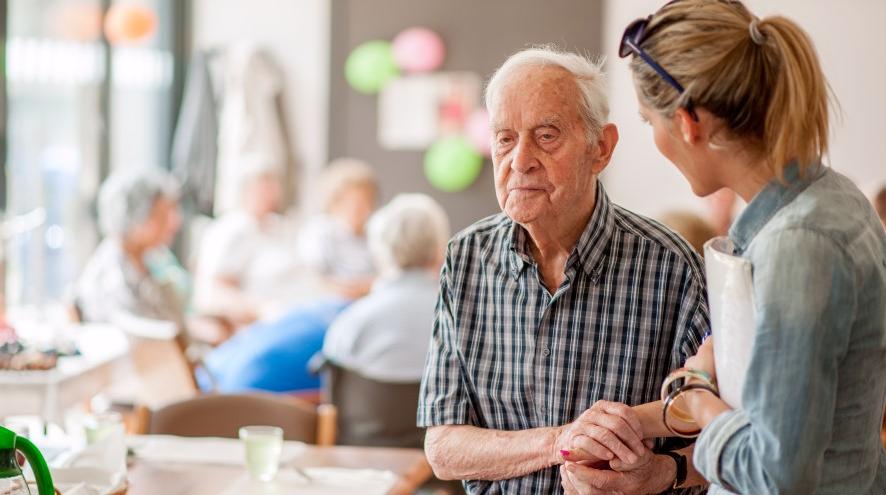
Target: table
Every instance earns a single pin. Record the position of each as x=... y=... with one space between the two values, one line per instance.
x=151 y=478
x=76 y=378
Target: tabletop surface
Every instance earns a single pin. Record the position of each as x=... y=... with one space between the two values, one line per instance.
x=98 y=345
x=148 y=477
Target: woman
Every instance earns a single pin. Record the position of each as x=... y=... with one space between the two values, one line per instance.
x=739 y=102
x=333 y=244
x=245 y=264
x=384 y=336
x=138 y=215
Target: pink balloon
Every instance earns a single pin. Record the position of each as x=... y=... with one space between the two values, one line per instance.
x=478 y=133
x=418 y=49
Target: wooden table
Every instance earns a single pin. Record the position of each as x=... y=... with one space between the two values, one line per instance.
x=152 y=478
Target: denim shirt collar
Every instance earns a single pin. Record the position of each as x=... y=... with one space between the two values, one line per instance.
x=769 y=200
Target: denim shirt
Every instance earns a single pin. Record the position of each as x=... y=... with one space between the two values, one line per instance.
x=815 y=390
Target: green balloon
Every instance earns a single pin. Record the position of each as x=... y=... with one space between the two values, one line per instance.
x=452 y=164
x=370 y=66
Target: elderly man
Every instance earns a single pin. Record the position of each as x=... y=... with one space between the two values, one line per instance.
x=562 y=307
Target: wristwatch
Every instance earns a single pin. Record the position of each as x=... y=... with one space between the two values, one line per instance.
x=680 y=459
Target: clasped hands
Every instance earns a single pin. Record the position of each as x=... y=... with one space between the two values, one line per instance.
x=604 y=452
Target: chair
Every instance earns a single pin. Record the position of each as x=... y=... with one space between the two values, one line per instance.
x=222 y=415
x=370 y=412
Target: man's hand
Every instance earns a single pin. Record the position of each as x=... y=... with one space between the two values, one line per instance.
x=605 y=432
x=653 y=474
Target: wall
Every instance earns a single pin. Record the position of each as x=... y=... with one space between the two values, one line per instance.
x=296 y=34
x=847 y=39
x=479 y=35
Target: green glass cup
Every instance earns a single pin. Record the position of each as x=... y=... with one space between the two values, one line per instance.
x=263 y=444
x=101 y=426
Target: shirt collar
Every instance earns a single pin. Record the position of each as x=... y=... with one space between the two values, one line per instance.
x=588 y=252
x=769 y=200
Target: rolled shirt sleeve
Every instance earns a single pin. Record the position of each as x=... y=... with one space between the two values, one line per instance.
x=804 y=296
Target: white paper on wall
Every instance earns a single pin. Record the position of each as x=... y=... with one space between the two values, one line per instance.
x=407 y=113
x=731 y=302
x=415 y=111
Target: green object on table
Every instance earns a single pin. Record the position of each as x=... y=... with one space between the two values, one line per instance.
x=10 y=470
x=370 y=66
x=452 y=164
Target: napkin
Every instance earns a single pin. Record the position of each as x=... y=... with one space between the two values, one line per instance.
x=202 y=450
x=97 y=469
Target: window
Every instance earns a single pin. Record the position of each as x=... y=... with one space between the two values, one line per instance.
x=77 y=108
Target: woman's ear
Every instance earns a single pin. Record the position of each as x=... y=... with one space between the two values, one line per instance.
x=689 y=128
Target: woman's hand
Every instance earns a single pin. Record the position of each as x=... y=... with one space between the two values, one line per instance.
x=606 y=431
x=703 y=360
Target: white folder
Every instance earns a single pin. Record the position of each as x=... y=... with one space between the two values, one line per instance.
x=731 y=301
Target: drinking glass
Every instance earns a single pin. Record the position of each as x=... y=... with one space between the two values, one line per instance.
x=263 y=447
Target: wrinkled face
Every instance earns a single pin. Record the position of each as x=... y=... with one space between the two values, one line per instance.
x=541 y=155
x=160 y=227
x=692 y=160
x=354 y=206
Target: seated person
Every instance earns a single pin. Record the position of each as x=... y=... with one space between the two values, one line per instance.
x=333 y=244
x=879 y=202
x=246 y=255
x=693 y=228
x=271 y=356
x=138 y=216
x=384 y=336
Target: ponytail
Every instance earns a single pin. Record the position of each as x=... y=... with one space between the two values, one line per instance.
x=762 y=78
x=796 y=125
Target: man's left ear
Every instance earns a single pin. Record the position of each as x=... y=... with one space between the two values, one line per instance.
x=605 y=147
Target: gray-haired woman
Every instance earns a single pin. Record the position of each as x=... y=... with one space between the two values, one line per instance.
x=138 y=214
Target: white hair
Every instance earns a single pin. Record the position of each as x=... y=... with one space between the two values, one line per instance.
x=409 y=232
x=588 y=75
x=126 y=199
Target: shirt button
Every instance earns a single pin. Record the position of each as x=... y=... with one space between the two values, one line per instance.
x=546 y=352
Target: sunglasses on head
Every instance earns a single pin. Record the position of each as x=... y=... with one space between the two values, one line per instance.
x=633 y=36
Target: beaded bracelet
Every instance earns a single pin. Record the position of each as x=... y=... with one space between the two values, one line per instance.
x=672 y=397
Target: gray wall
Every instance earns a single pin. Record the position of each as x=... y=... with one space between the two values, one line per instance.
x=479 y=35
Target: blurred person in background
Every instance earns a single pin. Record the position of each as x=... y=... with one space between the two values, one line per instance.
x=693 y=228
x=384 y=336
x=271 y=355
x=139 y=217
x=879 y=202
x=333 y=244
x=246 y=255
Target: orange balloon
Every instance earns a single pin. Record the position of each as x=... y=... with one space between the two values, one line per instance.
x=129 y=22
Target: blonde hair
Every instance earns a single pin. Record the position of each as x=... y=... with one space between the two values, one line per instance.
x=587 y=73
x=343 y=174
x=761 y=77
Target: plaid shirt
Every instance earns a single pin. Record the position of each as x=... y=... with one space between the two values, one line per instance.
x=506 y=354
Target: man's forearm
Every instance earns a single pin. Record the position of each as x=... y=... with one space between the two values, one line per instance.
x=467 y=452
